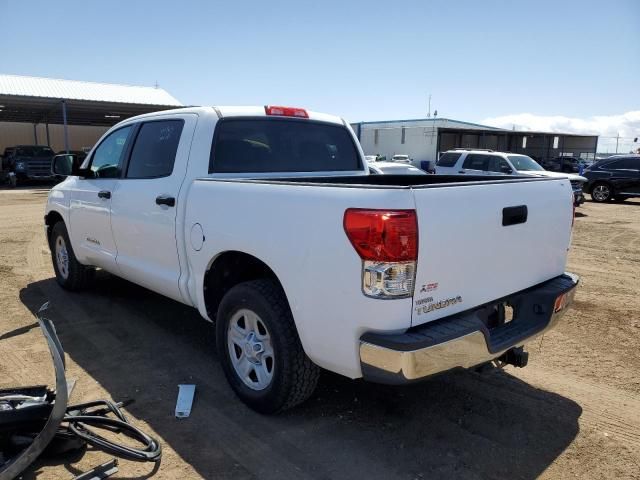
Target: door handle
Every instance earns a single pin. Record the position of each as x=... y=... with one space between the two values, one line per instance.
x=165 y=200
x=514 y=215
x=104 y=194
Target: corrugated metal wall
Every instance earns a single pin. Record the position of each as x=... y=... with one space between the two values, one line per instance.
x=80 y=137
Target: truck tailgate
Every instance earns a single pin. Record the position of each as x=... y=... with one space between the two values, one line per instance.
x=476 y=246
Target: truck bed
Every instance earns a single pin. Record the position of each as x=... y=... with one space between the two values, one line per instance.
x=466 y=255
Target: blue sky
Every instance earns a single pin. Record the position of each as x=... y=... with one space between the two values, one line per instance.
x=364 y=60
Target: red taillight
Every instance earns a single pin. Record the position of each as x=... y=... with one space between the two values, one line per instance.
x=383 y=235
x=286 y=111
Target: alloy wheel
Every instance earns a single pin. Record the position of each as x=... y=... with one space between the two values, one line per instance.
x=601 y=193
x=62 y=257
x=250 y=349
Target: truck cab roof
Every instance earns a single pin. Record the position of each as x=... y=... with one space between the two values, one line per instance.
x=239 y=111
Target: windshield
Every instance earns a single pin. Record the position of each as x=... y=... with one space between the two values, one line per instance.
x=34 y=152
x=522 y=163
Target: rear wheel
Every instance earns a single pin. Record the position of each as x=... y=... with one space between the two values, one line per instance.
x=260 y=350
x=70 y=274
x=601 y=192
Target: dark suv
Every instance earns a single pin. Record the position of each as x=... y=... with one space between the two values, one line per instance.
x=30 y=162
x=616 y=177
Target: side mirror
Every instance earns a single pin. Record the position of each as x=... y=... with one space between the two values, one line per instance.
x=66 y=165
x=62 y=165
x=506 y=170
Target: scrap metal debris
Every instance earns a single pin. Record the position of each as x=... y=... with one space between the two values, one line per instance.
x=101 y=471
x=35 y=420
x=15 y=465
x=185 y=400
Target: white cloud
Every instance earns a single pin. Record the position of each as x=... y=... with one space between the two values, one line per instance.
x=627 y=125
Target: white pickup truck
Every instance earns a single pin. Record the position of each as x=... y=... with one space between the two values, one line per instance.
x=267 y=221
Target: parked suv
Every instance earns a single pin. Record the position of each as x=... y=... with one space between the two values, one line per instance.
x=488 y=162
x=30 y=162
x=616 y=177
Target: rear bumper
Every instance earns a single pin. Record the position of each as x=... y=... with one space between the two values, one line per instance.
x=464 y=340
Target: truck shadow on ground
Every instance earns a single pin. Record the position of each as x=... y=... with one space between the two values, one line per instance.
x=137 y=344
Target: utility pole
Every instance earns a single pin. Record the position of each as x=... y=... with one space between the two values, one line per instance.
x=617 y=138
x=429 y=108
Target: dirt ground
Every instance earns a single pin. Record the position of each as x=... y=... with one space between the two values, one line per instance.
x=574 y=412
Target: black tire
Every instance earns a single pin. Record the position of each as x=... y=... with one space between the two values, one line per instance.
x=601 y=192
x=77 y=276
x=294 y=375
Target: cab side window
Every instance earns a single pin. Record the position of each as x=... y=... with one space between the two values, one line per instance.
x=154 y=151
x=499 y=164
x=476 y=161
x=628 y=163
x=107 y=159
x=448 y=159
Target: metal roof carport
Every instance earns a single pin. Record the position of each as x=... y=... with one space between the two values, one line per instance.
x=47 y=101
x=540 y=146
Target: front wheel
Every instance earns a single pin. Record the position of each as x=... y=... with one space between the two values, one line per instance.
x=601 y=192
x=260 y=350
x=70 y=274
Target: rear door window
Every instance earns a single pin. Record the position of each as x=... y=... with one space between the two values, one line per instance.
x=448 y=159
x=629 y=163
x=281 y=145
x=154 y=152
x=476 y=161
